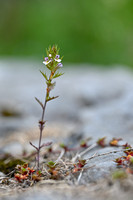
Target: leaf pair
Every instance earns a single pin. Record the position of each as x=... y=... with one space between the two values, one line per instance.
x=55 y=76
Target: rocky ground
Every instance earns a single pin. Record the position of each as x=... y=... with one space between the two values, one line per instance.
x=93 y=103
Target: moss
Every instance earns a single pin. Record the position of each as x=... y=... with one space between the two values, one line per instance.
x=9 y=113
x=119 y=174
x=8 y=164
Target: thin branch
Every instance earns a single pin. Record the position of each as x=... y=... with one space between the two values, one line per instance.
x=84 y=152
x=10 y=173
x=79 y=177
x=39 y=102
x=64 y=163
x=81 y=173
x=60 y=156
x=46 y=144
x=88 y=149
x=107 y=153
x=46 y=171
x=51 y=98
x=33 y=146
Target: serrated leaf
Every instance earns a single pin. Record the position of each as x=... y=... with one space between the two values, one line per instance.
x=57 y=75
x=44 y=75
x=39 y=102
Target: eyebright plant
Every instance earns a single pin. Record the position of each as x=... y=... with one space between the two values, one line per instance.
x=53 y=64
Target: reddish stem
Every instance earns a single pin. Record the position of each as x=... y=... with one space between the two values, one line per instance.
x=41 y=126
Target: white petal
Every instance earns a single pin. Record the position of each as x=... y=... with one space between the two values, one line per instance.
x=46 y=62
x=57 y=60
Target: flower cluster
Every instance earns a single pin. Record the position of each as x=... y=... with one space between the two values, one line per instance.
x=53 y=58
x=53 y=63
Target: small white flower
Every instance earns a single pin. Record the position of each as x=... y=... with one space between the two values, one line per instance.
x=50 y=55
x=47 y=61
x=57 y=58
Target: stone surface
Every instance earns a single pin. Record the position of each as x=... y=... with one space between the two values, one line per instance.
x=93 y=103
x=104 y=189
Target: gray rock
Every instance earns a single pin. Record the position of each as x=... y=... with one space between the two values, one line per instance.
x=98 y=102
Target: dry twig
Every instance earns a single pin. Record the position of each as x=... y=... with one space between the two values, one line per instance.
x=60 y=156
x=104 y=154
x=78 y=155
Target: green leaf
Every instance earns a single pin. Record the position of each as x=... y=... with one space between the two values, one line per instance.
x=44 y=75
x=39 y=172
x=57 y=75
x=51 y=163
x=62 y=145
x=51 y=98
x=23 y=169
x=39 y=102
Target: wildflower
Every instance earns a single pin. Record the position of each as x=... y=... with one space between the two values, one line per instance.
x=59 y=65
x=57 y=58
x=47 y=61
x=52 y=62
